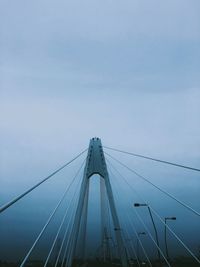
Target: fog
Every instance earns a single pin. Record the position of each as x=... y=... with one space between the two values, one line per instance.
x=127 y=72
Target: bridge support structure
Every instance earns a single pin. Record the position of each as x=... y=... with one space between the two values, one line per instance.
x=95 y=164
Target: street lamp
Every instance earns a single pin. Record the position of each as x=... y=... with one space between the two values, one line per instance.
x=166 y=247
x=138 y=237
x=154 y=226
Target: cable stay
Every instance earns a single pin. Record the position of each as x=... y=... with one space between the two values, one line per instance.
x=132 y=247
x=49 y=220
x=150 y=235
x=68 y=240
x=58 y=232
x=65 y=234
x=153 y=159
x=157 y=187
x=10 y=203
x=153 y=240
x=157 y=215
x=131 y=240
x=63 y=221
x=134 y=229
x=68 y=230
x=175 y=235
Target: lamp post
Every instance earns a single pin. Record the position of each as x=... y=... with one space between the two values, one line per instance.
x=166 y=246
x=138 y=237
x=154 y=226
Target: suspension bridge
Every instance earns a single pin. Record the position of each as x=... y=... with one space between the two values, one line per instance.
x=120 y=242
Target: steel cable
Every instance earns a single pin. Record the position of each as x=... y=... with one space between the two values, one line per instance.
x=134 y=229
x=63 y=220
x=10 y=203
x=158 y=216
x=47 y=223
x=157 y=187
x=153 y=159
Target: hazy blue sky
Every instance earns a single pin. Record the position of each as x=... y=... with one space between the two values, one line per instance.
x=126 y=71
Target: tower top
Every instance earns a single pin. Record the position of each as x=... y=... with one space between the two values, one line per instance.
x=96 y=160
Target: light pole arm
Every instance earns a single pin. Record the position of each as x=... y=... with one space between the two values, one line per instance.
x=156 y=233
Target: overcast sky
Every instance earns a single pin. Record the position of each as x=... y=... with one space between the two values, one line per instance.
x=125 y=71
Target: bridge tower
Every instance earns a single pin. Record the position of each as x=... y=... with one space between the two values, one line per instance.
x=95 y=164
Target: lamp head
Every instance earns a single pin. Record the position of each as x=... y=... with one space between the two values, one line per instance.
x=140 y=205
x=170 y=218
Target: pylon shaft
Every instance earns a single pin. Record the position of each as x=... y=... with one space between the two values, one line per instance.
x=95 y=164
